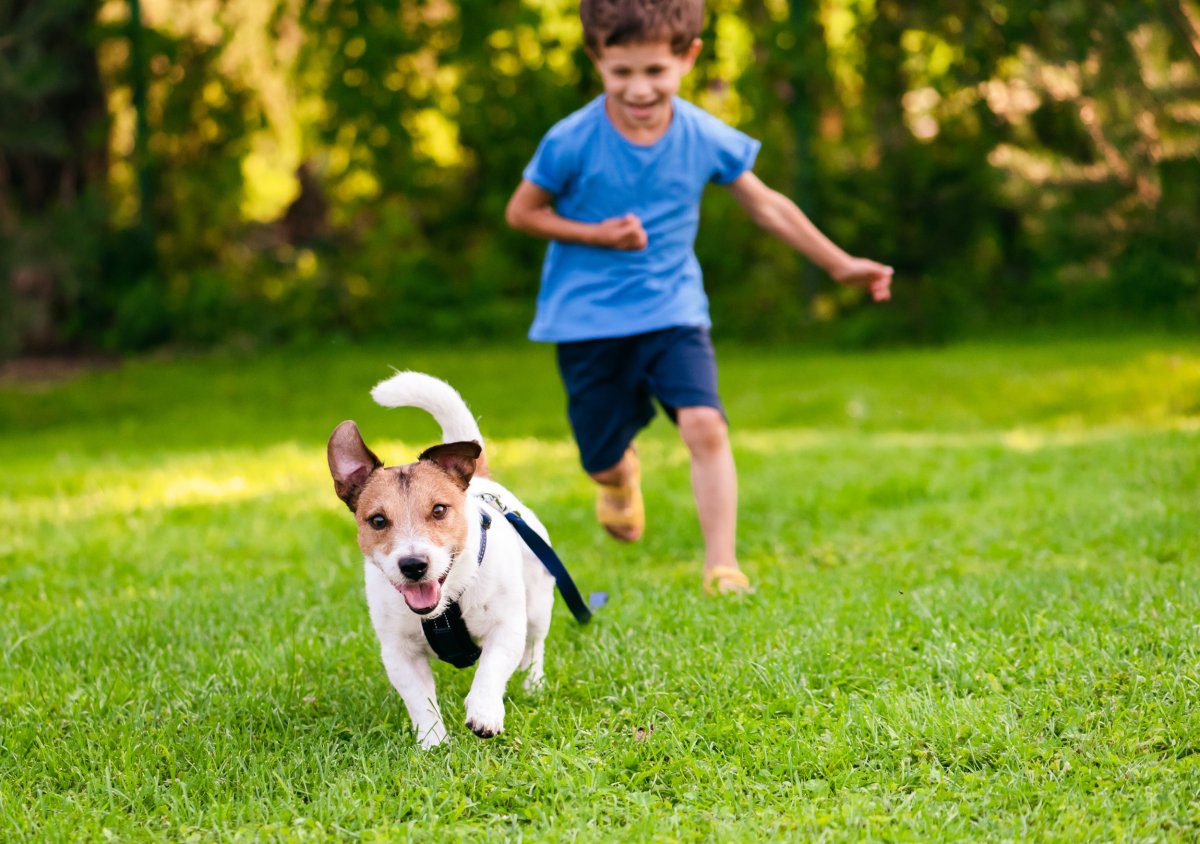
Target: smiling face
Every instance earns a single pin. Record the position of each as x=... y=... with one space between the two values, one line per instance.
x=412 y=526
x=640 y=80
x=412 y=520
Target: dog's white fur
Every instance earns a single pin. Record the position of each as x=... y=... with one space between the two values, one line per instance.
x=506 y=601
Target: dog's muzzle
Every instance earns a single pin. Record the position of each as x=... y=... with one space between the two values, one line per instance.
x=414 y=568
x=420 y=592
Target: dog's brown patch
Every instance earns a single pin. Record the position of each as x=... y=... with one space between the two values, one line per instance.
x=421 y=499
x=459 y=460
x=423 y=502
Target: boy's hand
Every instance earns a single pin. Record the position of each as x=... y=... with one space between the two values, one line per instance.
x=621 y=233
x=863 y=272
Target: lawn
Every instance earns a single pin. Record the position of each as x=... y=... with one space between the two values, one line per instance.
x=977 y=617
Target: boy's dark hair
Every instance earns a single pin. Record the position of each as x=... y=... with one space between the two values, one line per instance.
x=608 y=23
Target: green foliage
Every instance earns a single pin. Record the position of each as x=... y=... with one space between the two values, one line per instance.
x=1013 y=160
x=52 y=158
x=975 y=617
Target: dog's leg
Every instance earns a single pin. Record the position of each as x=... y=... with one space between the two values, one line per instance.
x=539 y=600
x=535 y=652
x=501 y=652
x=413 y=679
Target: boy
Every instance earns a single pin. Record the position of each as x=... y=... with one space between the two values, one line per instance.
x=616 y=188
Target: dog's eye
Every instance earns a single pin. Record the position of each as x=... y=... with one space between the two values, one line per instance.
x=440 y=511
x=378 y=521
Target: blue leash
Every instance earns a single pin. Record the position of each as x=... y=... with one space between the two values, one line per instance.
x=562 y=578
x=566 y=586
x=447 y=634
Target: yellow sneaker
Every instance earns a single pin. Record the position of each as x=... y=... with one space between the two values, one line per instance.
x=620 y=509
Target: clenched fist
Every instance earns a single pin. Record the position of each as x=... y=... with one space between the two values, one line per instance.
x=621 y=233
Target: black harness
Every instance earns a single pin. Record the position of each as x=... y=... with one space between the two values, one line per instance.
x=448 y=635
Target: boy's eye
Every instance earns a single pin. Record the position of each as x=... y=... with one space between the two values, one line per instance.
x=655 y=70
x=377 y=521
x=440 y=510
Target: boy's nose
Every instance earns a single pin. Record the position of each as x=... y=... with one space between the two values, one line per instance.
x=640 y=89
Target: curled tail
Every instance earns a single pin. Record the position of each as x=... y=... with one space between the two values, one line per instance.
x=436 y=397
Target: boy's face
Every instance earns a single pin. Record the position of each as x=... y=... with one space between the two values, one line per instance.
x=640 y=80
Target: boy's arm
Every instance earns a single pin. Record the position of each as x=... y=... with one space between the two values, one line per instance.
x=531 y=210
x=783 y=218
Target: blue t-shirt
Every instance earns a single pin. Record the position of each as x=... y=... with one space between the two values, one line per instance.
x=595 y=173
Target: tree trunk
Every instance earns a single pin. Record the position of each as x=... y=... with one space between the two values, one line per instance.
x=53 y=142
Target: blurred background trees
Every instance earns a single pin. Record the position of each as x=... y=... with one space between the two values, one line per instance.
x=233 y=170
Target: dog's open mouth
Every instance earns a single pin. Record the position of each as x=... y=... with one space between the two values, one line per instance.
x=421 y=597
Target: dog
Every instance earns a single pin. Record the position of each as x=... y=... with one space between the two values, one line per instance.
x=421 y=529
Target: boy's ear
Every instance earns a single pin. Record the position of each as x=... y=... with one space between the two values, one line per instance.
x=693 y=53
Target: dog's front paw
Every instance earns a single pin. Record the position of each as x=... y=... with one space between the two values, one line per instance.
x=485 y=720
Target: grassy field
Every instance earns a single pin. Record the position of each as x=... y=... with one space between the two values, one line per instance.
x=977 y=618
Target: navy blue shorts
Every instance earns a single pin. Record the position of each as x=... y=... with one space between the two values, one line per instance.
x=611 y=385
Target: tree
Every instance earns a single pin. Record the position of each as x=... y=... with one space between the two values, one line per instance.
x=53 y=163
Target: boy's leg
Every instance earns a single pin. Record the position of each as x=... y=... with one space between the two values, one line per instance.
x=684 y=379
x=608 y=403
x=714 y=486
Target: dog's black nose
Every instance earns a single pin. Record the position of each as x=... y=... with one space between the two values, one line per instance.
x=413 y=568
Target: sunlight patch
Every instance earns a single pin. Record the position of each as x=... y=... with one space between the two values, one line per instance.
x=200 y=489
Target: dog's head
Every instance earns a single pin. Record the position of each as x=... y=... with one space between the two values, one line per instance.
x=413 y=520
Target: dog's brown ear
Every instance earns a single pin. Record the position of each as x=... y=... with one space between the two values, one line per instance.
x=350 y=462
x=456 y=459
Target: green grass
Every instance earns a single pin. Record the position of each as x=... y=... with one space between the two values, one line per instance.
x=977 y=618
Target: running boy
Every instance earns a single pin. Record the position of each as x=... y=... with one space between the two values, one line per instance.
x=615 y=188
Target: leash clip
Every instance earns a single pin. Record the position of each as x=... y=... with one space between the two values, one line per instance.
x=490 y=498
x=494 y=501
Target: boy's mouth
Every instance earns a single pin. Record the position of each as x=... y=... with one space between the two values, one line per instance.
x=642 y=111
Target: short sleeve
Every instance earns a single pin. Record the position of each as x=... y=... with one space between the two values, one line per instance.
x=552 y=164
x=734 y=152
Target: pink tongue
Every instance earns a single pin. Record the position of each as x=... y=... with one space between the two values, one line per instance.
x=421 y=596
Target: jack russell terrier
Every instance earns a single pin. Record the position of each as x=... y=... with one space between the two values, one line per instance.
x=433 y=551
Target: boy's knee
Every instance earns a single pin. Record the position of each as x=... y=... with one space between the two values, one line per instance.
x=608 y=477
x=704 y=429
